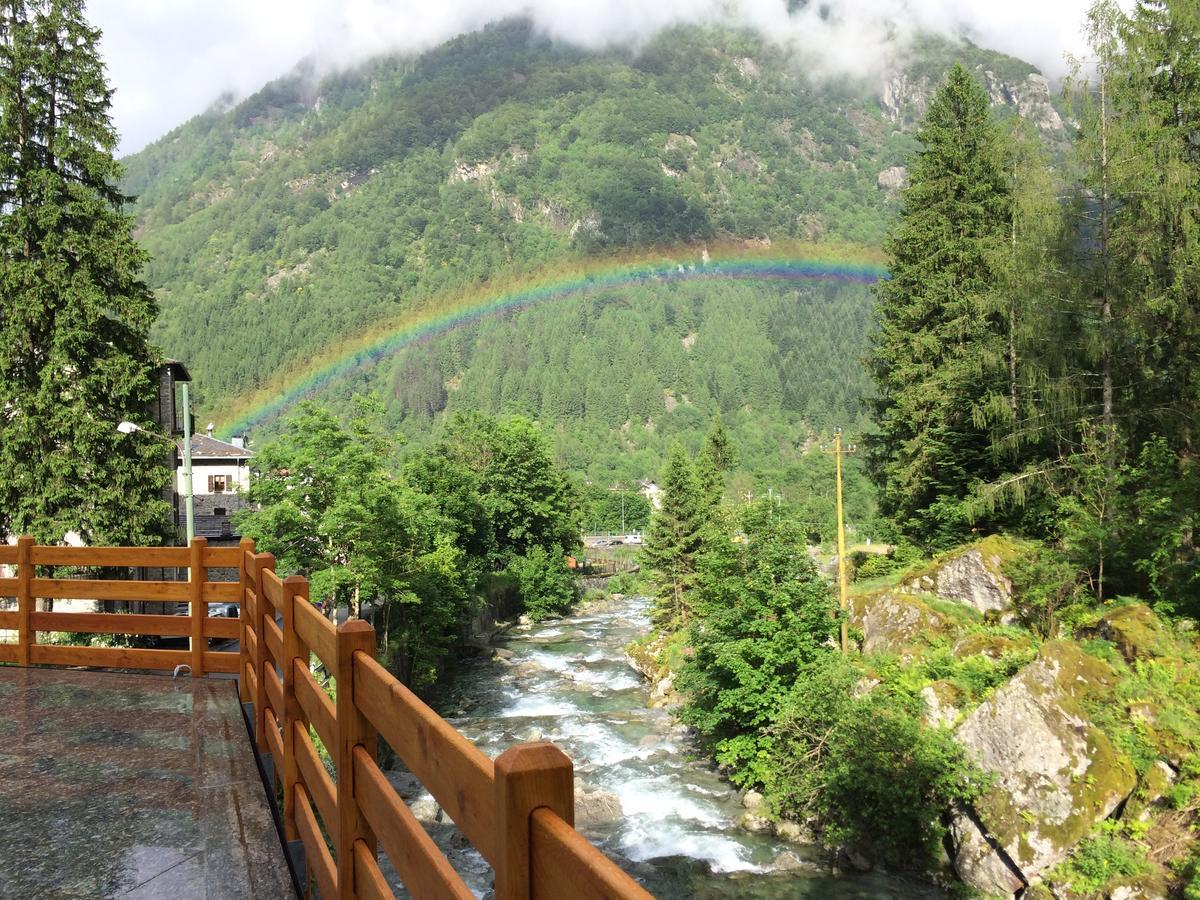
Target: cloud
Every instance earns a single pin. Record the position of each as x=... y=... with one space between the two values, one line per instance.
x=169 y=59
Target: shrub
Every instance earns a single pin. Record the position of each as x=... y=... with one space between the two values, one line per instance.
x=867 y=767
x=546 y=586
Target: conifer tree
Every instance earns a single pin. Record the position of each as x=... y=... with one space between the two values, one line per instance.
x=940 y=347
x=675 y=537
x=74 y=313
x=716 y=459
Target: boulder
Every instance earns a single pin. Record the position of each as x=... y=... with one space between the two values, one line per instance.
x=943 y=704
x=972 y=576
x=895 y=622
x=595 y=806
x=663 y=693
x=1136 y=630
x=752 y=800
x=1157 y=781
x=1056 y=772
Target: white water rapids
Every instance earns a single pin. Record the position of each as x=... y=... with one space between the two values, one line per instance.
x=568 y=682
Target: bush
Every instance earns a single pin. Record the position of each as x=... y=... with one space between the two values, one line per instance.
x=867 y=767
x=1101 y=858
x=546 y=586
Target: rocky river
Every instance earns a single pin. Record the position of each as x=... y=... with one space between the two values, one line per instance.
x=644 y=793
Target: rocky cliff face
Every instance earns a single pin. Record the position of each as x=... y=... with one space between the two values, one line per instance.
x=904 y=98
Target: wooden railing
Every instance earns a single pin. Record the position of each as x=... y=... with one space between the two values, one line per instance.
x=518 y=810
x=197 y=592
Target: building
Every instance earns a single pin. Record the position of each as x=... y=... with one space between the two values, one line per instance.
x=220 y=483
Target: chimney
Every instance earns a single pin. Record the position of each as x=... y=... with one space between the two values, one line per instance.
x=238 y=441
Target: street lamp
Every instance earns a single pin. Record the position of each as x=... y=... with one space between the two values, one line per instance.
x=127 y=427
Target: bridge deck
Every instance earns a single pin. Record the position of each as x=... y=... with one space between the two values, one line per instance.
x=116 y=785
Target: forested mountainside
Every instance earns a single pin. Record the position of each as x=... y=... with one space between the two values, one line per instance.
x=323 y=206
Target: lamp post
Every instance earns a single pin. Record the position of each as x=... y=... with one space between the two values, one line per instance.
x=131 y=427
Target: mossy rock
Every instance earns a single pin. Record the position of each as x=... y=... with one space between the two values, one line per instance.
x=944 y=703
x=990 y=644
x=897 y=623
x=1056 y=772
x=1136 y=631
x=972 y=575
x=1156 y=781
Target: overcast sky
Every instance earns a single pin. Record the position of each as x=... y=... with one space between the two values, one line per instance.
x=169 y=59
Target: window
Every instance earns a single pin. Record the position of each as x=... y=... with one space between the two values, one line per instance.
x=218 y=484
x=220 y=511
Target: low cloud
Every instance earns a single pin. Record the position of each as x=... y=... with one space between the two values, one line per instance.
x=169 y=59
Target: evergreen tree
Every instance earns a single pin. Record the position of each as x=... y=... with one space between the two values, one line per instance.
x=716 y=459
x=940 y=347
x=74 y=313
x=675 y=537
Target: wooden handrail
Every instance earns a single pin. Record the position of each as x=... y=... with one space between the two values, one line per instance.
x=198 y=592
x=517 y=811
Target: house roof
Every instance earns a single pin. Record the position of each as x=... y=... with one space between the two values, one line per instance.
x=205 y=447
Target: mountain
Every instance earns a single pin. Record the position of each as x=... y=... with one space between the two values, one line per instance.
x=325 y=206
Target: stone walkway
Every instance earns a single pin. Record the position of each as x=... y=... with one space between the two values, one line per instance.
x=138 y=786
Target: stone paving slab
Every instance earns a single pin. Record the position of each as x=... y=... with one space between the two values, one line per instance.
x=138 y=786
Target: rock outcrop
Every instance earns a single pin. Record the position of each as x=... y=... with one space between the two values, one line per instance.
x=892 y=179
x=972 y=576
x=1136 y=630
x=895 y=622
x=1056 y=772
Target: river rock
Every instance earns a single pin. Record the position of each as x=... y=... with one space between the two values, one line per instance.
x=794 y=832
x=895 y=622
x=1056 y=772
x=594 y=806
x=425 y=808
x=752 y=821
x=787 y=861
x=972 y=576
x=502 y=653
x=752 y=800
x=663 y=693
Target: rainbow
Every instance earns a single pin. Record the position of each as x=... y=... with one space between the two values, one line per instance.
x=792 y=262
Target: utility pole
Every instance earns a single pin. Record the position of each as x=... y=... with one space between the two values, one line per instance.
x=188 y=505
x=843 y=603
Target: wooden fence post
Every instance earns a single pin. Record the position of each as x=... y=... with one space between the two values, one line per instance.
x=25 y=635
x=262 y=562
x=197 y=575
x=353 y=729
x=528 y=776
x=295 y=590
x=245 y=546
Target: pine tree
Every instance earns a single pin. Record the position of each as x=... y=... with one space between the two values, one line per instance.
x=675 y=538
x=74 y=313
x=940 y=347
x=716 y=459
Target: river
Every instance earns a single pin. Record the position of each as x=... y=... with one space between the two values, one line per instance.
x=568 y=681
